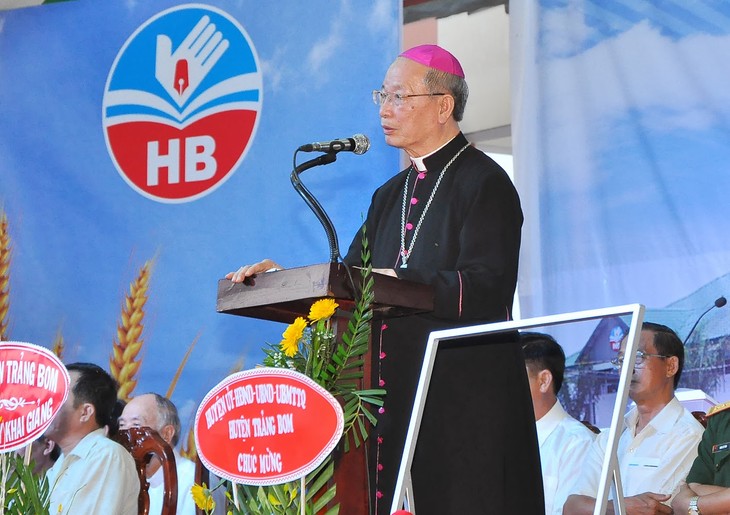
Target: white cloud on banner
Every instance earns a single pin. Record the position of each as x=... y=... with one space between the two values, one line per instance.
x=330 y=45
x=380 y=19
x=564 y=31
x=323 y=51
x=272 y=69
x=613 y=80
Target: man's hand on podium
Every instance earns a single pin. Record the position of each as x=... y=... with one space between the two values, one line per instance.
x=247 y=271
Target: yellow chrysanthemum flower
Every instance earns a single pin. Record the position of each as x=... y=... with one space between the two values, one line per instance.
x=322 y=309
x=273 y=500
x=202 y=497
x=292 y=334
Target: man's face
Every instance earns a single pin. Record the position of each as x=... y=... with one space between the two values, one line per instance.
x=63 y=421
x=412 y=125
x=651 y=375
x=140 y=411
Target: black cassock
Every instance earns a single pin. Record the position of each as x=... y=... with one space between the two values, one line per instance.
x=477 y=448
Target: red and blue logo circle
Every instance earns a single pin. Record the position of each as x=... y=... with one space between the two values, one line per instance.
x=182 y=103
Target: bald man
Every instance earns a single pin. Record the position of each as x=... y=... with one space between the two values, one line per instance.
x=159 y=413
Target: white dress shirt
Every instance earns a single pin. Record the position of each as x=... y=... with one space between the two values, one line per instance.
x=655 y=460
x=563 y=444
x=185 y=480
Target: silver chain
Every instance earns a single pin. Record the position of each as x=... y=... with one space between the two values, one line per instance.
x=406 y=254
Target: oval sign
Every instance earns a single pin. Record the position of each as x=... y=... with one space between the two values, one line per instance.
x=267 y=426
x=33 y=387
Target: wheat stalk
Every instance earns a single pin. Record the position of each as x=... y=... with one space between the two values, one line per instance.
x=188 y=449
x=237 y=366
x=180 y=368
x=128 y=343
x=58 y=345
x=4 y=275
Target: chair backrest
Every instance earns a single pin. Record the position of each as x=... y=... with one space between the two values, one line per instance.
x=701 y=417
x=144 y=443
x=591 y=426
x=202 y=476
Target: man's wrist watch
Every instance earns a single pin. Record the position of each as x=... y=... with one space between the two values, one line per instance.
x=693 y=509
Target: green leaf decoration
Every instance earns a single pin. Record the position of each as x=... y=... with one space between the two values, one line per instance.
x=25 y=492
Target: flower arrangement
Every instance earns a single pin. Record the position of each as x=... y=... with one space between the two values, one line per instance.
x=312 y=347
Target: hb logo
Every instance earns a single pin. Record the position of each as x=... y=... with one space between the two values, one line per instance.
x=182 y=102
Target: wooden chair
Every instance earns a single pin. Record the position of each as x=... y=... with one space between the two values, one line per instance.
x=591 y=427
x=202 y=476
x=701 y=417
x=144 y=443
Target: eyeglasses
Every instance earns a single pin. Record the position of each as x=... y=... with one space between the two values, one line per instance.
x=381 y=97
x=640 y=357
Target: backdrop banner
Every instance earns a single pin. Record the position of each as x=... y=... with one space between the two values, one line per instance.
x=621 y=143
x=145 y=151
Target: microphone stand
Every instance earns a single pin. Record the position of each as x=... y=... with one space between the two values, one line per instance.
x=719 y=302
x=312 y=202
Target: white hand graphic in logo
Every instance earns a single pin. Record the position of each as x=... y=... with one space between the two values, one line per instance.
x=182 y=71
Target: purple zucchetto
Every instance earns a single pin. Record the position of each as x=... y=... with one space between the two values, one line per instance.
x=435 y=57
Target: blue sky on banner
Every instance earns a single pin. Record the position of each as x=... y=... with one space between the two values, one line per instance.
x=80 y=234
x=634 y=110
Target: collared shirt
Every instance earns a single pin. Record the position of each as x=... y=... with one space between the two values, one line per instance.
x=563 y=443
x=98 y=476
x=712 y=466
x=185 y=480
x=655 y=460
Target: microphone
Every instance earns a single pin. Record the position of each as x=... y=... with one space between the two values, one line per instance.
x=359 y=144
x=719 y=302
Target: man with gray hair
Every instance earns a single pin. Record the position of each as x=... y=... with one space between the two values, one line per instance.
x=159 y=413
x=659 y=436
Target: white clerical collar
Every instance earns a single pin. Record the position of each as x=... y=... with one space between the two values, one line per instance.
x=418 y=161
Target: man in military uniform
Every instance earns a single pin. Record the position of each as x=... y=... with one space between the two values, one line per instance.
x=707 y=489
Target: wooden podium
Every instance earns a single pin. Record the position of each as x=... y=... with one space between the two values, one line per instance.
x=283 y=295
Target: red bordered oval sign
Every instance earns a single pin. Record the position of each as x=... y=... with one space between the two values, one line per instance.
x=33 y=387
x=267 y=426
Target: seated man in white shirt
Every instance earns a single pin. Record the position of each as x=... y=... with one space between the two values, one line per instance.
x=660 y=437
x=159 y=413
x=94 y=474
x=563 y=440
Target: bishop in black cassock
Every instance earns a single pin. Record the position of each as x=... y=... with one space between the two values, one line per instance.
x=452 y=220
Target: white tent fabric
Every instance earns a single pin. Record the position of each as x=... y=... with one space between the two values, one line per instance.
x=621 y=125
